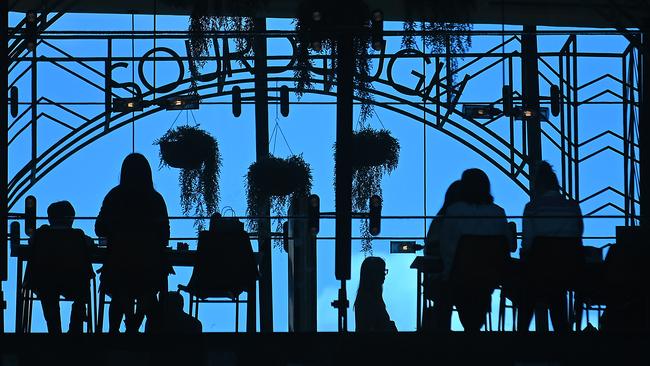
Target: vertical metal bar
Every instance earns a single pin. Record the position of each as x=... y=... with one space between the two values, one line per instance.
x=19 y=295
x=633 y=130
x=343 y=169
x=262 y=152
x=34 y=110
x=108 y=85
x=530 y=86
x=438 y=91
x=644 y=133
x=418 y=310
x=626 y=152
x=4 y=159
x=576 y=134
x=563 y=92
x=569 y=122
x=511 y=120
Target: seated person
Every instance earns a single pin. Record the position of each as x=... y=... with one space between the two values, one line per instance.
x=548 y=214
x=369 y=307
x=432 y=242
x=475 y=214
x=60 y=266
x=173 y=319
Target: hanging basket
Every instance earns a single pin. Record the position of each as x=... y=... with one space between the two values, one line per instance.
x=373 y=153
x=186 y=147
x=196 y=153
x=372 y=148
x=276 y=180
x=279 y=177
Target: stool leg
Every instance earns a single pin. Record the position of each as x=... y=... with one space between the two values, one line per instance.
x=237 y=314
x=99 y=328
x=94 y=302
x=488 y=324
x=502 y=309
x=30 y=306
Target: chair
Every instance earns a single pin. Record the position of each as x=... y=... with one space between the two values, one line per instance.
x=478 y=268
x=625 y=286
x=589 y=296
x=225 y=267
x=59 y=262
x=552 y=265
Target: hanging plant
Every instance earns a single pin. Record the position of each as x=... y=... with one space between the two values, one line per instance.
x=196 y=153
x=374 y=153
x=202 y=23
x=317 y=26
x=440 y=37
x=279 y=180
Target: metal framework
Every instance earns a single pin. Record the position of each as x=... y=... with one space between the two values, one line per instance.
x=434 y=101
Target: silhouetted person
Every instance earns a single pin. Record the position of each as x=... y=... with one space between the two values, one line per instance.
x=434 y=282
x=548 y=214
x=369 y=307
x=173 y=320
x=475 y=214
x=432 y=244
x=60 y=266
x=134 y=219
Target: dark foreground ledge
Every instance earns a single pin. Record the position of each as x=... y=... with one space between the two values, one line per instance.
x=327 y=349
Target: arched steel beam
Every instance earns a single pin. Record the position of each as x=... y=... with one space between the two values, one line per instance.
x=20 y=187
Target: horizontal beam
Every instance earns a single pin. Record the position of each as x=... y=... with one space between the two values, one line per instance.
x=522 y=12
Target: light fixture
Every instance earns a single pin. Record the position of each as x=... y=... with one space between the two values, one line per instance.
x=121 y=105
x=377 y=16
x=317 y=46
x=480 y=111
x=402 y=247
x=377 y=30
x=31 y=30
x=522 y=114
x=181 y=102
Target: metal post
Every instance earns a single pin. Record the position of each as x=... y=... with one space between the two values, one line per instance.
x=4 y=147
x=644 y=132
x=262 y=152
x=530 y=86
x=343 y=169
x=530 y=89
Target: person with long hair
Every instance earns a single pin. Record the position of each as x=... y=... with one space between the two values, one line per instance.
x=369 y=307
x=439 y=317
x=548 y=214
x=133 y=218
x=432 y=241
x=474 y=214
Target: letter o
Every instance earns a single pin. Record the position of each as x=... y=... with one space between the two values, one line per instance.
x=164 y=88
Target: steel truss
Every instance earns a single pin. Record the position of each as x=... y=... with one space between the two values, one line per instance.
x=438 y=108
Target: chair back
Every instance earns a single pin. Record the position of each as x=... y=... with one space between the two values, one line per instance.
x=60 y=261
x=555 y=262
x=480 y=261
x=225 y=264
x=627 y=268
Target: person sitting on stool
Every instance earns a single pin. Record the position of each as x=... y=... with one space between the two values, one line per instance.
x=548 y=214
x=60 y=266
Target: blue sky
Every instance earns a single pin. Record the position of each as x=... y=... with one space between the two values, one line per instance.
x=84 y=178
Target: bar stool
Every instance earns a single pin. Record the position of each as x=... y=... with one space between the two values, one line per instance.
x=552 y=266
x=478 y=268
